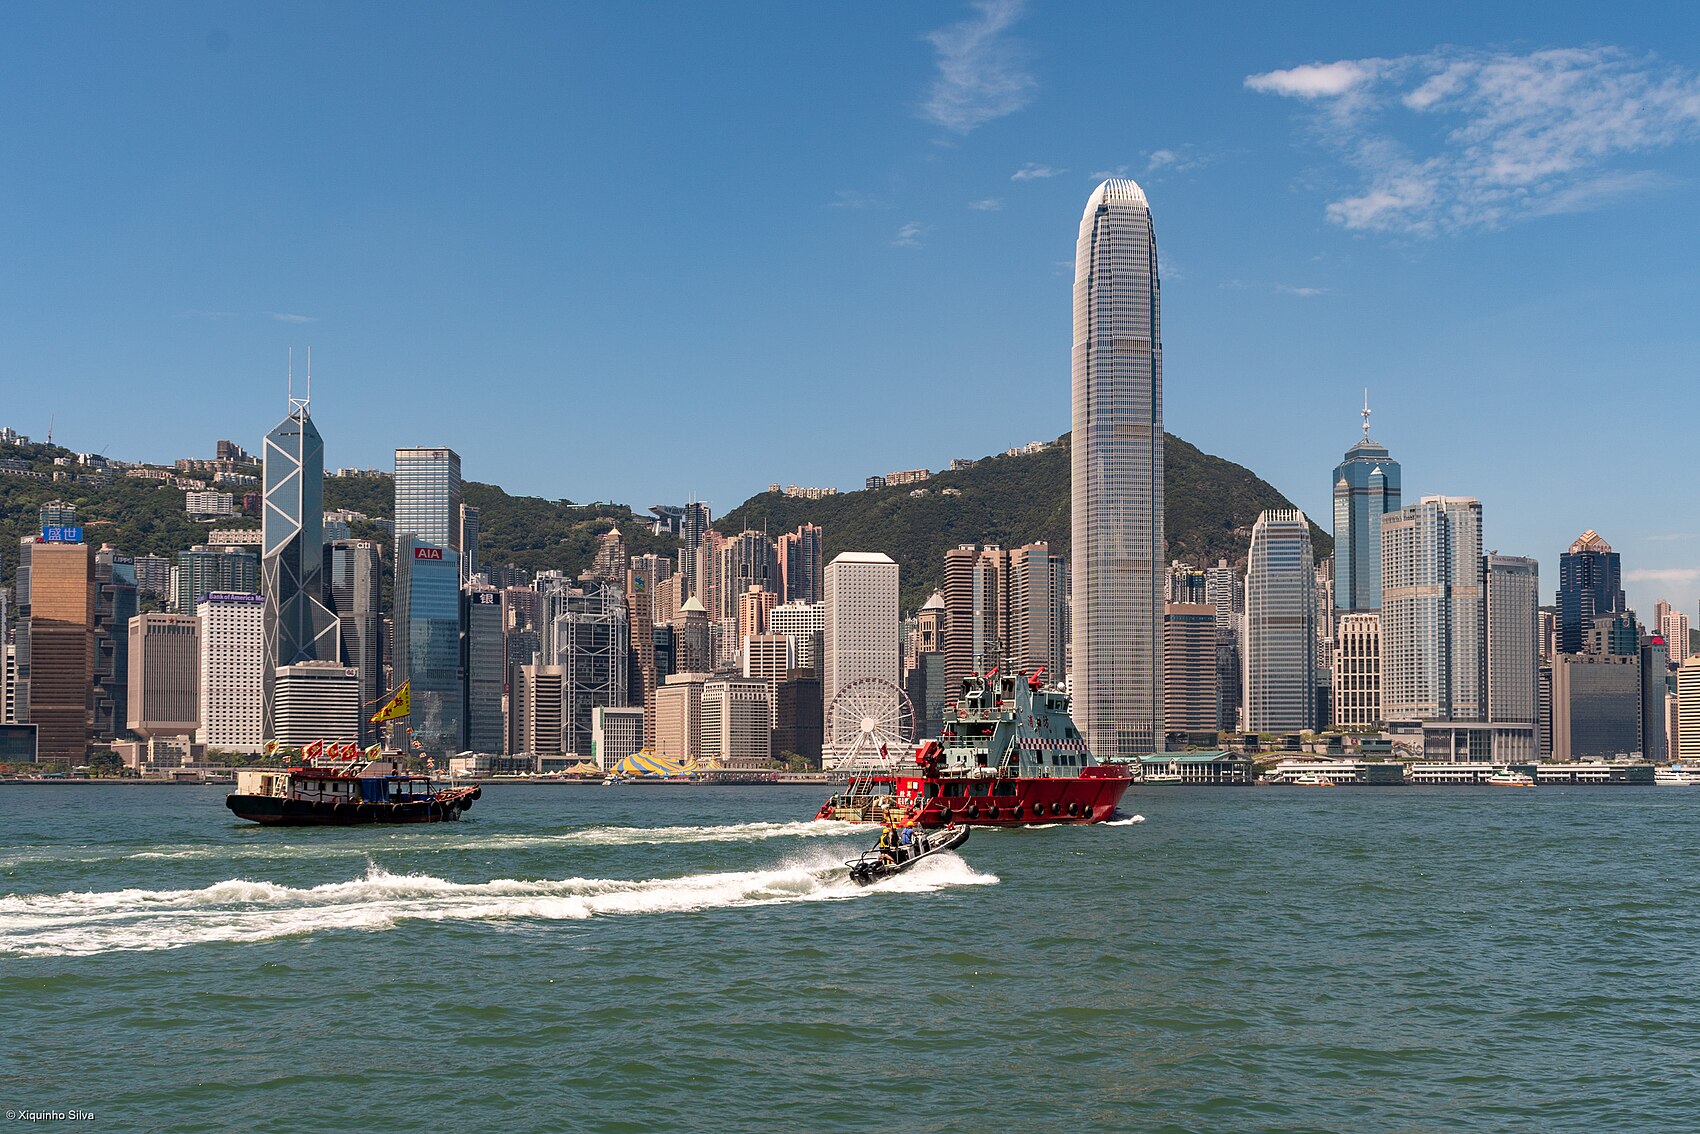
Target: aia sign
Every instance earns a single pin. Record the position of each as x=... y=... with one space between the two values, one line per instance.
x=428 y=553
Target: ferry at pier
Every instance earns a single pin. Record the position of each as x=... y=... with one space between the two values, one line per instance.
x=337 y=793
x=1009 y=755
x=1508 y=778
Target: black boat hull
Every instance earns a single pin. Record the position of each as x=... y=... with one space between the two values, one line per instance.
x=277 y=811
x=870 y=868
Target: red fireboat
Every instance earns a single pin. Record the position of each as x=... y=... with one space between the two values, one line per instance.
x=1009 y=755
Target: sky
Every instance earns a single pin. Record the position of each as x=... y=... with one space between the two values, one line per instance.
x=650 y=252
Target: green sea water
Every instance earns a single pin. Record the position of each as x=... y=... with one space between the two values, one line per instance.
x=679 y=958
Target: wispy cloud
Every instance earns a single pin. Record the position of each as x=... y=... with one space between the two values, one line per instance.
x=982 y=73
x=1301 y=292
x=986 y=204
x=1506 y=136
x=853 y=199
x=208 y=316
x=1178 y=159
x=909 y=236
x=1033 y=171
x=1669 y=537
x=286 y=317
x=1662 y=575
x=1106 y=174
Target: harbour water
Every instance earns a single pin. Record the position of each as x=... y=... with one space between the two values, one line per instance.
x=642 y=959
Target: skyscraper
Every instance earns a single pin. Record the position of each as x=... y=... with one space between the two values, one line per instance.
x=485 y=664
x=55 y=647
x=1189 y=662
x=428 y=645
x=232 y=671
x=1511 y=587
x=1589 y=584
x=693 y=526
x=427 y=498
x=1280 y=612
x=352 y=579
x=1431 y=611
x=861 y=635
x=1356 y=699
x=800 y=564
x=1366 y=487
x=298 y=625
x=469 y=520
x=1117 y=474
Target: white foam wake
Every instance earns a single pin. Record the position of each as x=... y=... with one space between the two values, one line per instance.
x=238 y=910
x=589 y=836
x=1124 y=822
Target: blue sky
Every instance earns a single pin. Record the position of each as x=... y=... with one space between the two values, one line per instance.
x=648 y=251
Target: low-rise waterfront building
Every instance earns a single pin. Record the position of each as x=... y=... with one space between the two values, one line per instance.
x=1216 y=768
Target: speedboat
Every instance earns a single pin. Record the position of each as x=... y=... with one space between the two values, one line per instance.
x=876 y=865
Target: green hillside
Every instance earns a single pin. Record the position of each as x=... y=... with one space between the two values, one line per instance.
x=143 y=517
x=1011 y=500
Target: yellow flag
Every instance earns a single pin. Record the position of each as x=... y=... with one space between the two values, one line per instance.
x=374 y=752
x=398 y=706
x=271 y=748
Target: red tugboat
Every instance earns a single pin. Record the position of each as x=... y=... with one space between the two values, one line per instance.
x=345 y=795
x=1009 y=755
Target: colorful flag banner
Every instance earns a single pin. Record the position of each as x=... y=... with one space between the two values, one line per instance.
x=398 y=706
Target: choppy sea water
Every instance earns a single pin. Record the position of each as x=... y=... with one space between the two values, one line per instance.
x=667 y=958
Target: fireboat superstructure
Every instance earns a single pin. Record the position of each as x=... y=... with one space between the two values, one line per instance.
x=1009 y=754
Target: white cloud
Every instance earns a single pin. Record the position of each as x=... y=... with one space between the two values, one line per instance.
x=1106 y=174
x=1498 y=137
x=1301 y=292
x=986 y=204
x=1316 y=80
x=982 y=74
x=1033 y=171
x=909 y=236
x=286 y=317
x=1669 y=537
x=1662 y=575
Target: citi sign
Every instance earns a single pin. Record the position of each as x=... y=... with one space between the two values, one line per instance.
x=428 y=553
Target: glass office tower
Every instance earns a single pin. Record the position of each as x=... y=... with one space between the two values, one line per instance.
x=1117 y=475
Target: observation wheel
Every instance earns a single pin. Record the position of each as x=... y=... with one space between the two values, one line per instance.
x=869 y=726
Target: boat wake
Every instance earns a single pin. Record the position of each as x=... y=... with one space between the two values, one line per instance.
x=240 y=911
x=1130 y=820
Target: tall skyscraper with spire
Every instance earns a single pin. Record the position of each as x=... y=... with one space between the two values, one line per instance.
x=297 y=625
x=1116 y=478
x=1366 y=488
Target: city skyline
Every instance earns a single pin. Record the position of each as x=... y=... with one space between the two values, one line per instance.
x=221 y=242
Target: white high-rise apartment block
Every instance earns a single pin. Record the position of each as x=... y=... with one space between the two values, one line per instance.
x=803 y=623
x=1117 y=475
x=860 y=639
x=1688 y=712
x=232 y=672
x=1673 y=628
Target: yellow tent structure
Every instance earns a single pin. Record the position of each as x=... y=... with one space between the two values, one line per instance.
x=647 y=763
x=584 y=768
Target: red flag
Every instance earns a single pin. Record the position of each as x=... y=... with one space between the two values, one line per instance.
x=313 y=751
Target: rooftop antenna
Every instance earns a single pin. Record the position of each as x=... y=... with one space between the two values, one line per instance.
x=50 y=428
x=1366 y=413
x=298 y=406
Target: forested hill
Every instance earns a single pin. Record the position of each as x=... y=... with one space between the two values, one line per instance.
x=1210 y=507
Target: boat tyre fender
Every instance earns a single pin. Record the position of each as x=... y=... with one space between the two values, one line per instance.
x=1074 y=809
x=477 y=793
x=1016 y=811
x=466 y=802
x=1056 y=809
x=973 y=811
x=992 y=811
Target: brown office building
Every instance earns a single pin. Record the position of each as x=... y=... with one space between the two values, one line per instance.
x=56 y=601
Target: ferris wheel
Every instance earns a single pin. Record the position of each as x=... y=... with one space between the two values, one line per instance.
x=868 y=726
